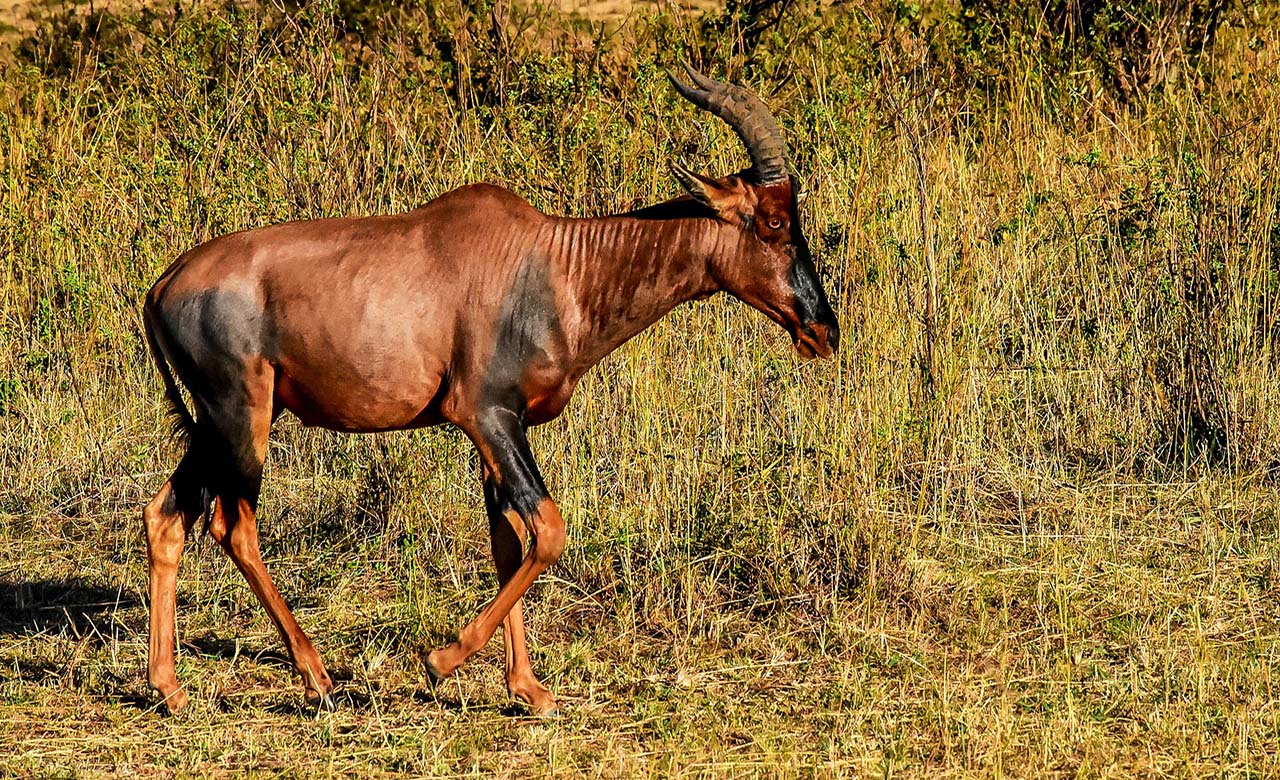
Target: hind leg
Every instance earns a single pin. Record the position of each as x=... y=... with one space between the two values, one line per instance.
x=235 y=528
x=244 y=422
x=168 y=518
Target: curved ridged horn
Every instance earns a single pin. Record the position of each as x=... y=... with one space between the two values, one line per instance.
x=749 y=118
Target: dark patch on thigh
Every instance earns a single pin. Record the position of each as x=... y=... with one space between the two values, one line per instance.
x=213 y=338
x=209 y=326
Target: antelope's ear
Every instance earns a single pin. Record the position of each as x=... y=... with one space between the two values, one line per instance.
x=803 y=189
x=716 y=195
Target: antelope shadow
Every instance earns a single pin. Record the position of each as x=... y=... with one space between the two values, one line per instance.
x=81 y=611
x=59 y=606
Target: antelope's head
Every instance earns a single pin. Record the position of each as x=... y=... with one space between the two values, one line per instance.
x=772 y=269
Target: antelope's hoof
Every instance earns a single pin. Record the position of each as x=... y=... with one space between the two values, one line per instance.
x=433 y=675
x=545 y=711
x=174 y=703
x=321 y=702
x=537 y=700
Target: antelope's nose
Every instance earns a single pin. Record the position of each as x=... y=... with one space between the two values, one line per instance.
x=826 y=337
x=833 y=335
x=819 y=338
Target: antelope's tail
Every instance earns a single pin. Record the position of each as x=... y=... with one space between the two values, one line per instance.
x=184 y=425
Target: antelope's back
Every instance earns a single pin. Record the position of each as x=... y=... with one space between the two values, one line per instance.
x=362 y=318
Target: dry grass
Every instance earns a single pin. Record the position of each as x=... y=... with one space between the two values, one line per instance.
x=1059 y=562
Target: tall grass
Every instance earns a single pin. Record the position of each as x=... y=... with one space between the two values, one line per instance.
x=1024 y=523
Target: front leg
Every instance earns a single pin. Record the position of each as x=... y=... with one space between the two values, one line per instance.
x=518 y=489
x=507 y=538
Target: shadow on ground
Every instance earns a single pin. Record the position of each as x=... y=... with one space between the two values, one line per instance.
x=83 y=616
x=61 y=606
x=210 y=646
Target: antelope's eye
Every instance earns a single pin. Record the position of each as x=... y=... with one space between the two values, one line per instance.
x=774 y=223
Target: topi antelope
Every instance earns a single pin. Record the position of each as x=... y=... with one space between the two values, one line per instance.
x=476 y=310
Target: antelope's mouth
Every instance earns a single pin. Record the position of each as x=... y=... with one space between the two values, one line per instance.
x=815 y=340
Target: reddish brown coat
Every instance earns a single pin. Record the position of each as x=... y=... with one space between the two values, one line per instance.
x=475 y=309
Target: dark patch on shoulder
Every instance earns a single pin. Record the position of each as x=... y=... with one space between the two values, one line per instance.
x=517 y=484
x=529 y=335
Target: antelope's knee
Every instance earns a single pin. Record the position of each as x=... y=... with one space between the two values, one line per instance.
x=233 y=526
x=218 y=527
x=548 y=531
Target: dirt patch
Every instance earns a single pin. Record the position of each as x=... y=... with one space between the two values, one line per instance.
x=615 y=9
x=23 y=15
x=18 y=17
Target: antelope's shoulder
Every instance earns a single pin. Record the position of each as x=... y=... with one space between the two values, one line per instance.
x=483 y=196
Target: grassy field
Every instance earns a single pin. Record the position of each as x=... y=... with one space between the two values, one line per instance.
x=1026 y=524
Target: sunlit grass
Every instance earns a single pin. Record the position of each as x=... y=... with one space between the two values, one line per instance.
x=774 y=567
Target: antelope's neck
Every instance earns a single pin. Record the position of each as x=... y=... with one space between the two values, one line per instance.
x=623 y=273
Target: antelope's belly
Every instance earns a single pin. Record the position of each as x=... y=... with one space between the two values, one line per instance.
x=361 y=389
